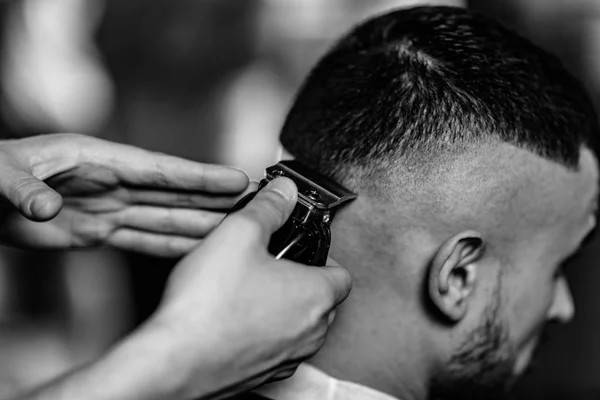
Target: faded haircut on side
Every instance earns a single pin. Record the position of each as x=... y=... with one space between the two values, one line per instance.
x=416 y=85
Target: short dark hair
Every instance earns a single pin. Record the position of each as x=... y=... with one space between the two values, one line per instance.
x=415 y=83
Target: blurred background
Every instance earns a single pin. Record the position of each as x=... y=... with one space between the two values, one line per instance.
x=209 y=80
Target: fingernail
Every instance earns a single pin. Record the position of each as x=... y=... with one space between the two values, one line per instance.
x=332 y=263
x=284 y=186
x=238 y=169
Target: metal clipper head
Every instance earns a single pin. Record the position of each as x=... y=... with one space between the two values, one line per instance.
x=306 y=235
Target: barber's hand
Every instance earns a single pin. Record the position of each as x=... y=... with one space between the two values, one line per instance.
x=93 y=192
x=237 y=315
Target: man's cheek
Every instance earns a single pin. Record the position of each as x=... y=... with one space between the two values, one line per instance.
x=528 y=329
x=527 y=312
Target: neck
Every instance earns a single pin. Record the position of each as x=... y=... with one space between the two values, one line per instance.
x=375 y=340
x=358 y=350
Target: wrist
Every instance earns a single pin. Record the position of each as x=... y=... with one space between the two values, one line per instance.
x=155 y=365
x=135 y=369
x=206 y=364
x=182 y=353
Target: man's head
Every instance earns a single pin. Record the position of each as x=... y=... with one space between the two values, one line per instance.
x=469 y=148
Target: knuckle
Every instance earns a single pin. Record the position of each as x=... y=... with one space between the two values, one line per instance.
x=329 y=296
x=22 y=188
x=78 y=144
x=74 y=139
x=172 y=247
x=201 y=176
x=337 y=285
x=159 y=170
x=93 y=231
x=178 y=246
x=314 y=317
x=315 y=346
x=184 y=200
x=320 y=342
x=168 y=222
x=325 y=292
x=206 y=224
x=316 y=301
x=267 y=208
x=276 y=201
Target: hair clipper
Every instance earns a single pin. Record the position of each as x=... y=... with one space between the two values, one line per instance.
x=306 y=235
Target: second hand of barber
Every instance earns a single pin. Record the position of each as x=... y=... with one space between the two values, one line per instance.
x=206 y=325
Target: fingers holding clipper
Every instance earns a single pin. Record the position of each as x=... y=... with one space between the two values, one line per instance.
x=338 y=282
x=266 y=212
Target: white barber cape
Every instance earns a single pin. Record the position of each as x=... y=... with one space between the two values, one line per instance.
x=310 y=383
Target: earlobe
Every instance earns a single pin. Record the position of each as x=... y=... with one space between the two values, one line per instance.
x=453 y=274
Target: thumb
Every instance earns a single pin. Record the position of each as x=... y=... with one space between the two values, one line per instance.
x=266 y=212
x=32 y=197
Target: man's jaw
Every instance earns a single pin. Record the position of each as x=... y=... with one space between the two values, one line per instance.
x=525 y=357
x=530 y=353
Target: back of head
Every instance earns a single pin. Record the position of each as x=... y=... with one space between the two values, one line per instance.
x=417 y=85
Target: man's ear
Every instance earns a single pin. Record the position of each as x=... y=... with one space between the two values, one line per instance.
x=453 y=274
